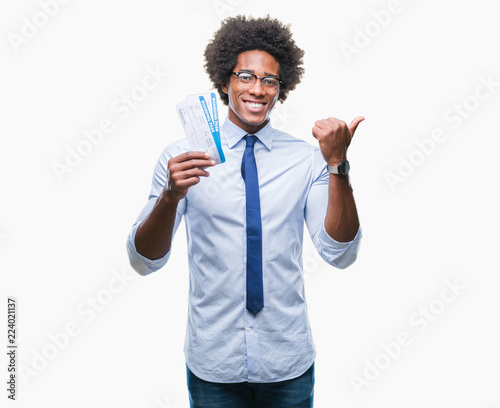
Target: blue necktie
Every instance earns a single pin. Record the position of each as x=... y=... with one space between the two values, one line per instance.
x=255 y=291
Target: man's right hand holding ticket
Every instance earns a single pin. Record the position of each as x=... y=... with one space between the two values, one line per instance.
x=185 y=171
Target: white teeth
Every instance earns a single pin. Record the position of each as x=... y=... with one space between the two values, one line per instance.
x=255 y=105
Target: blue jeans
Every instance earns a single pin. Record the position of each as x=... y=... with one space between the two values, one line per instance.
x=297 y=392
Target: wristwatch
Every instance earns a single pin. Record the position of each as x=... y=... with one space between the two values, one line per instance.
x=342 y=168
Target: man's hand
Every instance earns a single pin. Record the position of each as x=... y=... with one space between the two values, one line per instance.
x=185 y=171
x=334 y=137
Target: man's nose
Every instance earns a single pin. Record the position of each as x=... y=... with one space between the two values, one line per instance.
x=257 y=88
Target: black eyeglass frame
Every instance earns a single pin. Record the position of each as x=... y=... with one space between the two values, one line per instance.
x=280 y=82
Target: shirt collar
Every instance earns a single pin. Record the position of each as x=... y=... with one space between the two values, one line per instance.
x=234 y=134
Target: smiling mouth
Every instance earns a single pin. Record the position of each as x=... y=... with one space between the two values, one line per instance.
x=255 y=105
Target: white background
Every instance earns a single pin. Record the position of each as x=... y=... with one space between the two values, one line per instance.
x=62 y=241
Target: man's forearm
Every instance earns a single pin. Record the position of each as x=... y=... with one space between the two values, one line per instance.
x=334 y=137
x=154 y=235
x=341 y=220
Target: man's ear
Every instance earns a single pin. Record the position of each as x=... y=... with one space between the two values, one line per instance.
x=224 y=88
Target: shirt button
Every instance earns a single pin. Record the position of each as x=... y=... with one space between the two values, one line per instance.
x=250 y=329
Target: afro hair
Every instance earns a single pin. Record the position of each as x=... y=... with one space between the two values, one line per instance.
x=239 y=34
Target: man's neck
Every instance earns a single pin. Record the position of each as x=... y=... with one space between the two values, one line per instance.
x=248 y=128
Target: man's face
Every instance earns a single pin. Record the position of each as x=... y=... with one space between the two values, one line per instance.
x=250 y=108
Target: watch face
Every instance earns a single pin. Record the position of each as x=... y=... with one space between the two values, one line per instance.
x=344 y=167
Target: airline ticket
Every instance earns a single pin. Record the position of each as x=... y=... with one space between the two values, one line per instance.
x=200 y=119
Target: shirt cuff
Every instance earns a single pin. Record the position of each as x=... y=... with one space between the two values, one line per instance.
x=338 y=254
x=142 y=265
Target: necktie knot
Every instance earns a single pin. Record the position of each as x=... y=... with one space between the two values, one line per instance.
x=250 y=139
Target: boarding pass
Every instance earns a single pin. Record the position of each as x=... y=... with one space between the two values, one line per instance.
x=200 y=120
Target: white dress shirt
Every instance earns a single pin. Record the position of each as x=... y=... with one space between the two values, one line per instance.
x=224 y=342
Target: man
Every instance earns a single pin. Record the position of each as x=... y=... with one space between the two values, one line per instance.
x=248 y=340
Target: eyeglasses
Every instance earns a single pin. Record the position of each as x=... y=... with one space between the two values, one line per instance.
x=247 y=80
